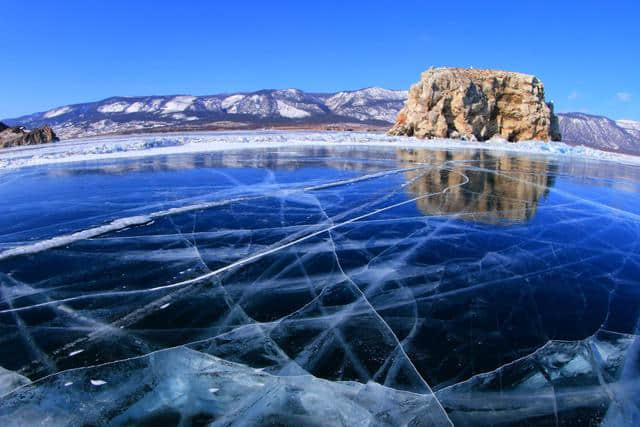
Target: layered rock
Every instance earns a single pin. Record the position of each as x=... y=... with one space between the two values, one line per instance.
x=477 y=105
x=18 y=135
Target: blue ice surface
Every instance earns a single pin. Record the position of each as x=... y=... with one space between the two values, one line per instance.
x=374 y=284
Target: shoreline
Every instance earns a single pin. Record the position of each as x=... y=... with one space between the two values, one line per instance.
x=157 y=144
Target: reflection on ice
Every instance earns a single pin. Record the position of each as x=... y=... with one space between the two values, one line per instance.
x=502 y=187
x=321 y=285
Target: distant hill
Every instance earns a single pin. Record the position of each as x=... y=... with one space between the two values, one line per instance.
x=365 y=109
x=374 y=107
x=600 y=132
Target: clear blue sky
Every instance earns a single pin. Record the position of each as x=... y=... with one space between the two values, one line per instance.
x=62 y=52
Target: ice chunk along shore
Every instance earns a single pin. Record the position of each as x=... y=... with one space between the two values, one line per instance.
x=180 y=385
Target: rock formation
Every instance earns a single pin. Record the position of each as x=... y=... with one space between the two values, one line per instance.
x=18 y=135
x=477 y=105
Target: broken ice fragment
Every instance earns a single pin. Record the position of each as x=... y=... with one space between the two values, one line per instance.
x=10 y=381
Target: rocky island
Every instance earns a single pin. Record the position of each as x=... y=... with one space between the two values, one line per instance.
x=477 y=104
x=18 y=135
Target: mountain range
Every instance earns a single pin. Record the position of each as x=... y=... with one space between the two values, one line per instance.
x=368 y=108
x=365 y=109
x=600 y=132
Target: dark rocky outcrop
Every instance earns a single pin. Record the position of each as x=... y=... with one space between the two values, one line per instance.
x=18 y=135
x=477 y=104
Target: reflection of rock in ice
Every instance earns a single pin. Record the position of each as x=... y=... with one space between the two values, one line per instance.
x=10 y=381
x=560 y=383
x=501 y=187
x=186 y=387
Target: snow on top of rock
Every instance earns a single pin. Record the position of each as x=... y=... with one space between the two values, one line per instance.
x=57 y=112
x=114 y=107
x=178 y=103
x=134 y=108
x=627 y=122
x=256 y=104
x=289 y=93
x=381 y=93
x=630 y=125
x=212 y=103
x=290 y=111
x=363 y=96
x=182 y=116
x=155 y=104
x=231 y=100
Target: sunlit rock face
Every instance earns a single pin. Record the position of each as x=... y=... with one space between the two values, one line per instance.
x=17 y=135
x=477 y=105
x=319 y=285
x=510 y=193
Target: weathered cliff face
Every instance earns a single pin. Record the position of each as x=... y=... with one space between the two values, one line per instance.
x=17 y=135
x=477 y=105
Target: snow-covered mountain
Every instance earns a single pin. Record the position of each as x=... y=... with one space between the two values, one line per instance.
x=630 y=126
x=368 y=104
x=600 y=132
x=373 y=106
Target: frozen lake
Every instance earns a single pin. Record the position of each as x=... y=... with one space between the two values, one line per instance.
x=318 y=284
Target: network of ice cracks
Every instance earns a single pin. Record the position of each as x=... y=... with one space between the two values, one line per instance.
x=323 y=312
